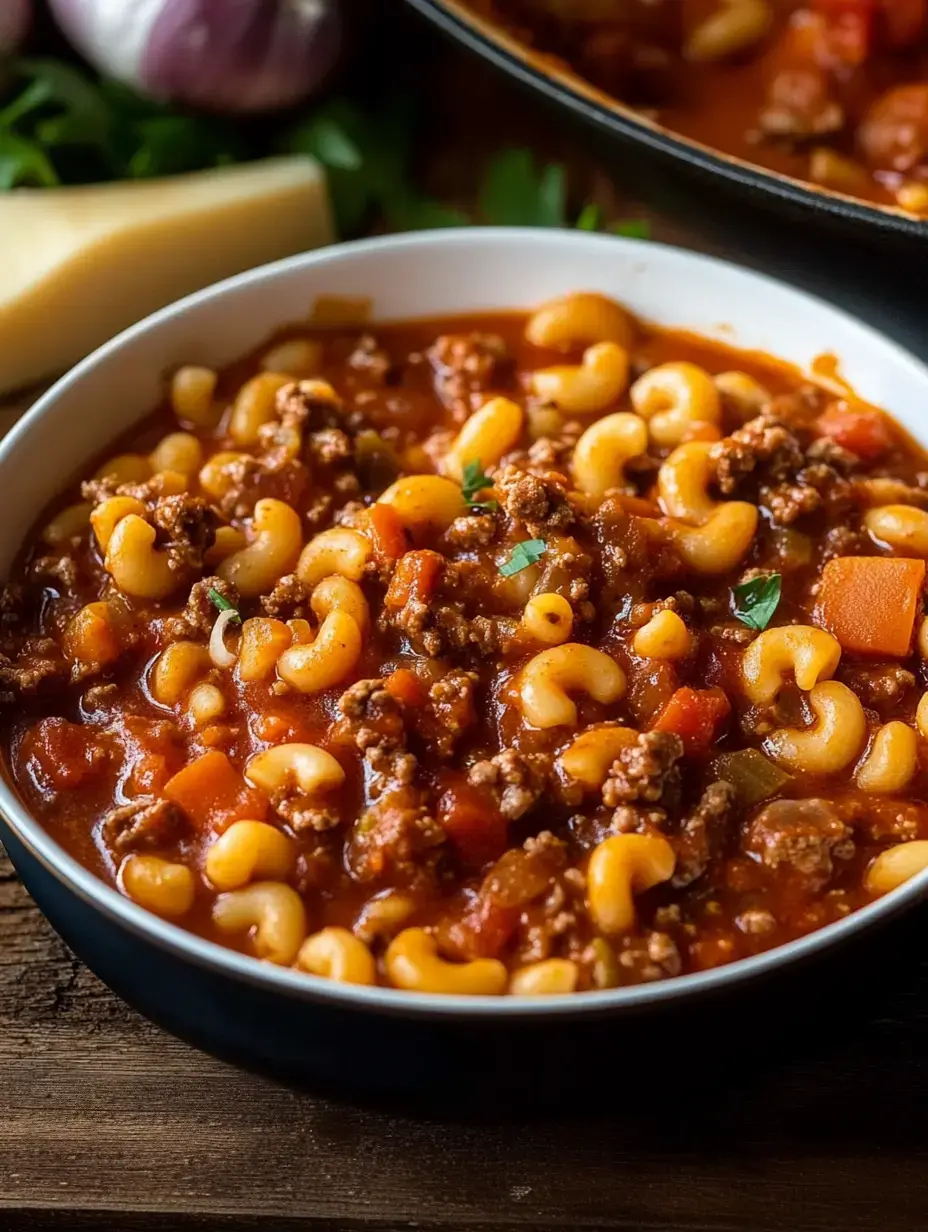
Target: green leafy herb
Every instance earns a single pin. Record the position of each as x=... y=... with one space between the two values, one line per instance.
x=473 y=483
x=367 y=156
x=60 y=125
x=590 y=217
x=526 y=553
x=223 y=604
x=756 y=601
x=516 y=193
x=24 y=162
x=632 y=228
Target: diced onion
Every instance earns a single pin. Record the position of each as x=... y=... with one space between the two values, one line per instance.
x=219 y=652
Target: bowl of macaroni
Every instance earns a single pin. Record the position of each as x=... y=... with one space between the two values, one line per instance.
x=444 y=638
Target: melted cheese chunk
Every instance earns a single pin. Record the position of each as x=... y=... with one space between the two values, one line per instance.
x=81 y=264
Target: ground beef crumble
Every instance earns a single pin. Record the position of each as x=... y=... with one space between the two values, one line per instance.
x=702 y=832
x=188 y=526
x=645 y=772
x=288 y=599
x=147 y=822
x=466 y=366
x=517 y=780
x=199 y=616
x=537 y=502
x=804 y=836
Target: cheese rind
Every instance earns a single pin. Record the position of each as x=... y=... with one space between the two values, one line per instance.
x=80 y=264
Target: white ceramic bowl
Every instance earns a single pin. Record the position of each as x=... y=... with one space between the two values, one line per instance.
x=414 y=276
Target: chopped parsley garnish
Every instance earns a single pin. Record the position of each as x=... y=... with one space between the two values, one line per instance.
x=526 y=553
x=473 y=483
x=756 y=601
x=223 y=604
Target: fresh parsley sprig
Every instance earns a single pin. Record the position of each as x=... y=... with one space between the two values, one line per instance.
x=757 y=600
x=222 y=603
x=526 y=553
x=473 y=482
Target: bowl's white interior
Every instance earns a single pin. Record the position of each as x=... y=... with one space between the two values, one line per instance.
x=413 y=276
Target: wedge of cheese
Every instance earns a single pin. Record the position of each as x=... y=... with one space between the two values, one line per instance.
x=77 y=265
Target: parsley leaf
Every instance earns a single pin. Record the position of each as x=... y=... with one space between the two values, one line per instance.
x=756 y=601
x=526 y=553
x=24 y=162
x=632 y=228
x=514 y=193
x=223 y=604
x=473 y=483
x=590 y=218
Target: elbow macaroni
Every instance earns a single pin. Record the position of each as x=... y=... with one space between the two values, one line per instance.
x=548 y=619
x=134 y=563
x=588 y=757
x=249 y=850
x=620 y=867
x=544 y=682
x=485 y=437
x=892 y=761
x=581 y=389
x=336 y=954
x=272 y=911
x=602 y=451
x=665 y=636
x=278 y=535
x=412 y=962
x=811 y=653
x=423 y=501
x=576 y=320
x=326 y=661
x=674 y=398
x=832 y=742
x=337 y=550
x=294 y=767
x=900 y=526
x=733 y=26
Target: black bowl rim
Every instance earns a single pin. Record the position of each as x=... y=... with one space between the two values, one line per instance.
x=74 y=878
x=570 y=91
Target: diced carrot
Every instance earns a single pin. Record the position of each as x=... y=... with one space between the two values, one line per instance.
x=870 y=603
x=473 y=823
x=213 y=793
x=865 y=433
x=406 y=687
x=387 y=533
x=694 y=715
x=415 y=577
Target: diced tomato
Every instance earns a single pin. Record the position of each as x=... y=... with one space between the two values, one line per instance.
x=414 y=579
x=213 y=793
x=473 y=823
x=481 y=932
x=386 y=533
x=865 y=433
x=406 y=687
x=694 y=715
x=65 y=754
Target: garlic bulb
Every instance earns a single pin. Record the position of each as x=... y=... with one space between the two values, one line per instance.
x=222 y=55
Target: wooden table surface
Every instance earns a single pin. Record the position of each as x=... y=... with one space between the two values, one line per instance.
x=108 y=1123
